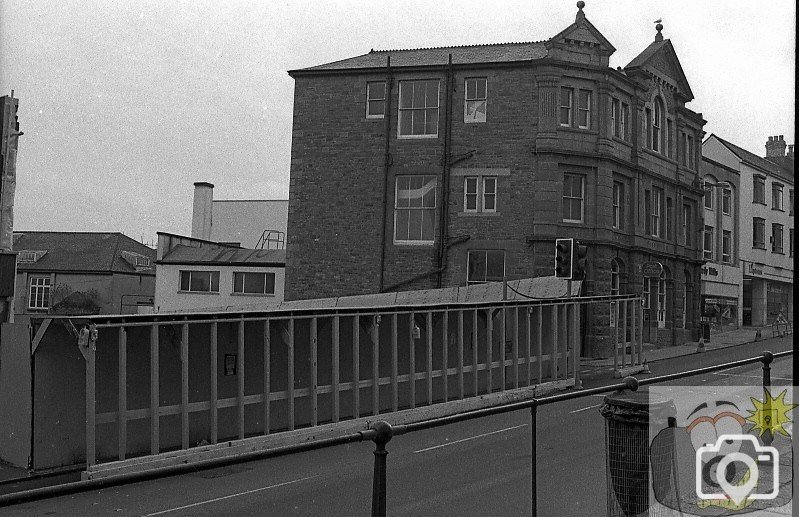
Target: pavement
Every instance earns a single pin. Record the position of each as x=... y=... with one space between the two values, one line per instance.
x=590 y=369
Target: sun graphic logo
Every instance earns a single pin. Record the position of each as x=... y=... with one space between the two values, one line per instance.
x=771 y=415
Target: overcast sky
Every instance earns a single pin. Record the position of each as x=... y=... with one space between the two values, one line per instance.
x=125 y=104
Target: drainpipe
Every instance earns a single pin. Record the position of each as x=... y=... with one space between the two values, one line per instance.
x=443 y=219
x=387 y=161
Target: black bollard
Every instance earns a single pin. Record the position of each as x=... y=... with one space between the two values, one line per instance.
x=768 y=357
x=384 y=434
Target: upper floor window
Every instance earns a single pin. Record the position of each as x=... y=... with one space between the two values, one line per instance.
x=790 y=201
x=414 y=209
x=375 y=99
x=708 y=248
x=776 y=238
x=656 y=212
x=726 y=201
x=776 y=196
x=584 y=109
x=691 y=153
x=669 y=138
x=657 y=126
x=474 y=109
x=709 y=196
x=759 y=190
x=726 y=246
x=618 y=205
x=39 y=293
x=253 y=283
x=615 y=288
x=566 y=102
x=790 y=242
x=669 y=217
x=686 y=224
x=199 y=281
x=573 y=195
x=625 y=116
x=418 y=108
x=615 y=117
x=758 y=233
x=485 y=266
x=480 y=194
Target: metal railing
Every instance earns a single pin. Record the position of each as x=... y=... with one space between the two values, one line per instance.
x=382 y=432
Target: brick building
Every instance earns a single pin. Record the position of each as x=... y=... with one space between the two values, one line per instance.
x=522 y=143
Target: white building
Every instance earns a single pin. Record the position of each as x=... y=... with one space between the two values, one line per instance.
x=766 y=222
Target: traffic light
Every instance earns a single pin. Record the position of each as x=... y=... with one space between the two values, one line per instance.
x=580 y=261
x=563 y=258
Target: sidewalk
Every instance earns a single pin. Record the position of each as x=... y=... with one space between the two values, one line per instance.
x=718 y=340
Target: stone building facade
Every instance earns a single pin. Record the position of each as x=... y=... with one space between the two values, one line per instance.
x=520 y=144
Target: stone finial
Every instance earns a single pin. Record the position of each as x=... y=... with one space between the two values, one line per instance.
x=580 y=13
x=659 y=27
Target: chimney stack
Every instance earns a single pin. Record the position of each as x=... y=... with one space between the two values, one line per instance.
x=790 y=152
x=775 y=147
x=201 y=216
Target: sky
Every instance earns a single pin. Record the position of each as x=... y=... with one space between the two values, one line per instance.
x=125 y=104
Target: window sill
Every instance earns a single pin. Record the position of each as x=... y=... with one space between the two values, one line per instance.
x=415 y=244
x=417 y=137
x=199 y=292
x=262 y=295
x=573 y=221
x=372 y=118
x=759 y=247
x=778 y=252
x=759 y=203
x=777 y=209
x=478 y=214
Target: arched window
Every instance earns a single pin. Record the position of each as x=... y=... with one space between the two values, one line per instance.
x=657 y=126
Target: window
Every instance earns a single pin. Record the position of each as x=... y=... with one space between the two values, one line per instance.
x=669 y=138
x=141 y=262
x=566 y=106
x=584 y=110
x=618 y=203
x=39 y=297
x=614 y=289
x=726 y=201
x=647 y=291
x=656 y=211
x=759 y=190
x=708 y=242
x=418 y=108
x=776 y=238
x=648 y=123
x=790 y=201
x=776 y=197
x=254 y=283
x=625 y=116
x=489 y=194
x=686 y=288
x=485 y=266
x=657 y=127
x=615 y=118
x=474 y=109
x=477 y=200
x=661 y=311
x=709 y=195
x=691 y=154
x=669 y=218
x=726 y=246
x=686 y=225
x=683 y=151
x=375 y=99
x=758 y=233
x=415 y=207
x=790 y=242
x=572 y=198
x=199 y=281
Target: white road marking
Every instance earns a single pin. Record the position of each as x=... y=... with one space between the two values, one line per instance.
x=585 y=408
x=228 y=496
x=749 y=376
x=471 y=438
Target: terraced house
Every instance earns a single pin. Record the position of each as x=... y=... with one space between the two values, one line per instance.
x=439 y=167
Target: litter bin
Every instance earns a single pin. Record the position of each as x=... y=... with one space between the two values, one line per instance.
x=627 y=417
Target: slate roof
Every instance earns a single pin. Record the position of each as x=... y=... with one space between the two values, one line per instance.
x=189 y=255
x=87 y=252
x=471 y=54
x=757 y=161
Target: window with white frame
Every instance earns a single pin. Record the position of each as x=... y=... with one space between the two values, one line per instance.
x=573 y=194
x=708 y=247
x=474 y=109
x=253 y=283
x=418 y=108
x=566 y=102
x=758 y=233
x=726 y=201
x=375 y=99
x=661 y=310
x=414 y=209
x=625 y=116
x=615 y=117
x=657 y=126
x=39 y=292
x=686 y=225
x=726 y=246
x=199 y=281
x=776 y=196
x=485 y=266
x=614 y=290
x=480 y=194
x=656 y=212
x=584 y=109
x=708 y=195
x=647 y=291
x=618 y=205
x=776 y=238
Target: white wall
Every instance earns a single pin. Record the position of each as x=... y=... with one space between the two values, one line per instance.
x=168 y=298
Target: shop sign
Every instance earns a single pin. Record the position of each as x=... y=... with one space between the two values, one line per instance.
x=720 y=301
x=710 y=271
x=651 y=269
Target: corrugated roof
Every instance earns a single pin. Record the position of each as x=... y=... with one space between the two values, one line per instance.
x=100 y=252
x=756 y=160
x=181 y=254
x=489 y=53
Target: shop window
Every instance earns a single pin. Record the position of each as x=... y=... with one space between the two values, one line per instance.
x=485 y=266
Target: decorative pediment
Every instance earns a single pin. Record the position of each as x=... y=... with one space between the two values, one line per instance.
x=659 y=60
x=580 y=42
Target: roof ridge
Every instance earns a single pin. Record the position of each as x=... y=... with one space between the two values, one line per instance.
x=373 y=51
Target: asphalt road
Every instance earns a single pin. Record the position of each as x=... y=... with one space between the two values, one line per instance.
x=479 y=467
